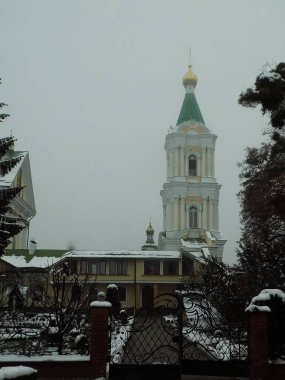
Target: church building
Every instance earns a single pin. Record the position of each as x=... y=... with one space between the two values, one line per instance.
x=190 y=196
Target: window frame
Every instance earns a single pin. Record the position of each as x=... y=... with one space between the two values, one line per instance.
x=83 y=264
x=148 y=271
x=192 y=169
x=167 y=264
x=193 y=217
x=92 y=267
x=102 y=267
x=93 y=264
x=118 y=267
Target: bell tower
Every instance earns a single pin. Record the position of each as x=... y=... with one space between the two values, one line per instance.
x=190 y=196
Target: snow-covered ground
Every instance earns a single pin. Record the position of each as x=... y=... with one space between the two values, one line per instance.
x=119 y=338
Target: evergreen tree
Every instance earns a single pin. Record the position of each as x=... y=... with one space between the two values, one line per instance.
x=223 y=288
x=262 y=246
x=10 y=225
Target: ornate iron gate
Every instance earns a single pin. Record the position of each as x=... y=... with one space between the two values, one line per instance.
x=211 y=345
x=179 y=333
x=149 y=337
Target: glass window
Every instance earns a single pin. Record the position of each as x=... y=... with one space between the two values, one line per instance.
x=83 y=266
x=152 y=267
x=112 y=267
x=118 y=267
x=72 y=266
x=193 y=217
x=93 y=267
x=170 y=268
x=102 y=267
x=192 y=165
x=122 y=267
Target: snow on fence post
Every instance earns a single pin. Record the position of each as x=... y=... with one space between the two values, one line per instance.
x=18 y=372
x=99 y=336
x=258 y=342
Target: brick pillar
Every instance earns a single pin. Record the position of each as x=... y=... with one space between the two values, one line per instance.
x=258 y=344
x=99 y=336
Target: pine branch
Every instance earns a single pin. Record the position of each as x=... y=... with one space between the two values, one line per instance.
x=3 y=116
x=7 y=165
x=6 y=195
x=6 y=143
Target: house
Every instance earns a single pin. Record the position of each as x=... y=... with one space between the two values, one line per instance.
x=139 y=275
x=24 y=277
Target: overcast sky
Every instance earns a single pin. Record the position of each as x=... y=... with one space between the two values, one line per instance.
x=93 y=87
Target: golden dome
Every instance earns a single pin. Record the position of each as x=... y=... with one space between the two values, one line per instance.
x=190 y=78
x=150 y=230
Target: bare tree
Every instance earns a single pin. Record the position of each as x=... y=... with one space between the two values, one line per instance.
x=67 y=297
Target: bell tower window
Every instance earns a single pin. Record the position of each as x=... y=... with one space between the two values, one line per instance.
x=192 y=165
x=193 y=217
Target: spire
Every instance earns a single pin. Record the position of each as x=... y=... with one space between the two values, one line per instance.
x=190 y=109
x=149 y=244
x=149 y=233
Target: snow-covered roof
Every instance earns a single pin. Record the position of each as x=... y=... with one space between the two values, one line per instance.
x=7 y=179
x=44 y=259
x=193 y=243
x=210 y=236
x=125 y=254
x=206 y=252
x=35 y=262
x=195 y=255
x=16 y=261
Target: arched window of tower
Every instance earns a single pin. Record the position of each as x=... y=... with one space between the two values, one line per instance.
x=193 y=217
x=192 y=165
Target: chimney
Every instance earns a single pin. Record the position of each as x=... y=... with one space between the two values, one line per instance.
x=32 y=247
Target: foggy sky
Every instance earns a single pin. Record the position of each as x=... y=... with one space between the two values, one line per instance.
x=93 y=87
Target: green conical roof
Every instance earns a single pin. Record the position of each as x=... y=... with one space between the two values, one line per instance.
x=190 y=109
